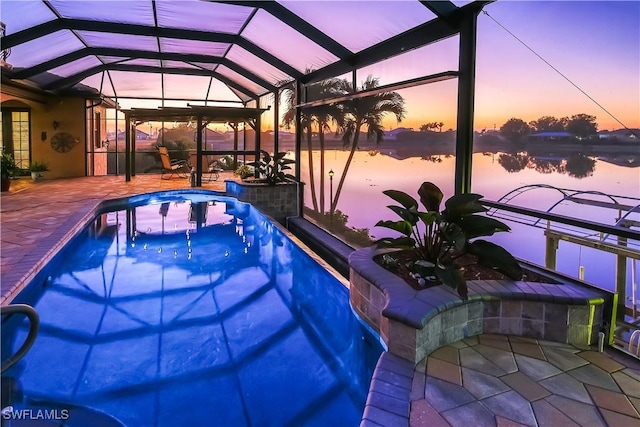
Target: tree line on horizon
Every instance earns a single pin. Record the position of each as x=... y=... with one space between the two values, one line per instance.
x=579 y=125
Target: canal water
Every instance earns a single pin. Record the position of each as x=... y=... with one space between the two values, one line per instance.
x=495 y=175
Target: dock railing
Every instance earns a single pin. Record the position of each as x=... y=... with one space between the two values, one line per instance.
x=621 y=239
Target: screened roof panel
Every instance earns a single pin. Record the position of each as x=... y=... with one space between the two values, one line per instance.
x=178 y=64
x=112 y=59
x=44 y=79
x=259 y=66
x=202 y=15
x=43 y=49
x=189 y=87
x=205 y=65
x=134 y=84
x=95 y=82
x=119 y=41
x=286 y=43
x=219 y=91
x=427 y=60
x=77 y=66
x=461 y=3
x=20 y=15
x=126 y=12
x=128 y=104
x=232 y=75
x=241 y=95
x=375 y=22
x=143 y=61
x=193 y=46
x=276 y=42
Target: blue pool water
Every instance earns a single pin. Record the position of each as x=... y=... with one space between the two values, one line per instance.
x=193 y=310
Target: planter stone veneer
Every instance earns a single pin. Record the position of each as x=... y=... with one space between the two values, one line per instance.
x=415 y=323
x=278 y=201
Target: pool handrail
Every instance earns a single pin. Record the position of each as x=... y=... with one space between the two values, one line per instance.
x=34 y=323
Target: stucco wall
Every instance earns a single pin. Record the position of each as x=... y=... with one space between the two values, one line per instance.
x=70 y=115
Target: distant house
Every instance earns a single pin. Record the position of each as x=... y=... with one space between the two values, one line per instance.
x=139 y=135
x=551 y=136
x=621 y=135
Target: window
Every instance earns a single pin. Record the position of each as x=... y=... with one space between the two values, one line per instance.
x=15 y=134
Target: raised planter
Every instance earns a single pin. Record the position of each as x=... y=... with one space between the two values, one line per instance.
x=278 y=201
x=415 y=323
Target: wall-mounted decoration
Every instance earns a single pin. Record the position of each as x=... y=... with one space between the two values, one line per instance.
x=63 y=142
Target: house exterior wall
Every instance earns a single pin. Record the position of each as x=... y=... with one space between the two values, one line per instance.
x=69 y=113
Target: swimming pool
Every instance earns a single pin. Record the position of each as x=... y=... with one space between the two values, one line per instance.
x=195 y=310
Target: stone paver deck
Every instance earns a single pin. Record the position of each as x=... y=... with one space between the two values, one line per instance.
x=500 y=381
x=489 y=380
x=37 y=218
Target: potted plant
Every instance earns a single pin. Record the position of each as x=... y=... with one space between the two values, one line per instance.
x=433 y=241
x=8 y=168
x=37 y=170
x=270 y=169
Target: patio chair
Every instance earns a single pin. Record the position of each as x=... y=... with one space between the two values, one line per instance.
x=182 y=168
x=213 y=169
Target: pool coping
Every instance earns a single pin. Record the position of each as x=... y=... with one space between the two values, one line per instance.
x=40 y=257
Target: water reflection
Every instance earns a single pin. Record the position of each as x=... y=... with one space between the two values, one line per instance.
x=575 y=165
x=193 y=311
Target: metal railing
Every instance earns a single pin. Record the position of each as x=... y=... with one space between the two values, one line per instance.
x=620 y=239
x=34 y=323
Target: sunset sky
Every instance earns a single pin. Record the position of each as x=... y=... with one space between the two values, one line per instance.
x=596 y=44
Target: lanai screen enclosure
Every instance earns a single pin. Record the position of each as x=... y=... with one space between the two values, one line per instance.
x=198 y=53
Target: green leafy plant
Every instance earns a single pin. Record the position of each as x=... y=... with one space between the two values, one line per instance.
x=227 y=162
x=244 y=171
x=437 y=238
x=271 y=169
x=38 y=166
x=9 y=165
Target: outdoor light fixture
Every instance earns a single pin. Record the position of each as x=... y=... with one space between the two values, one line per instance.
x=55 y=124
x=43 y=136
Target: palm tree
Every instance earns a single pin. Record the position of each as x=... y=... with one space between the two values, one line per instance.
x=368 y=111
x=306 y=121
x=325 y=115
x=318 y=116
